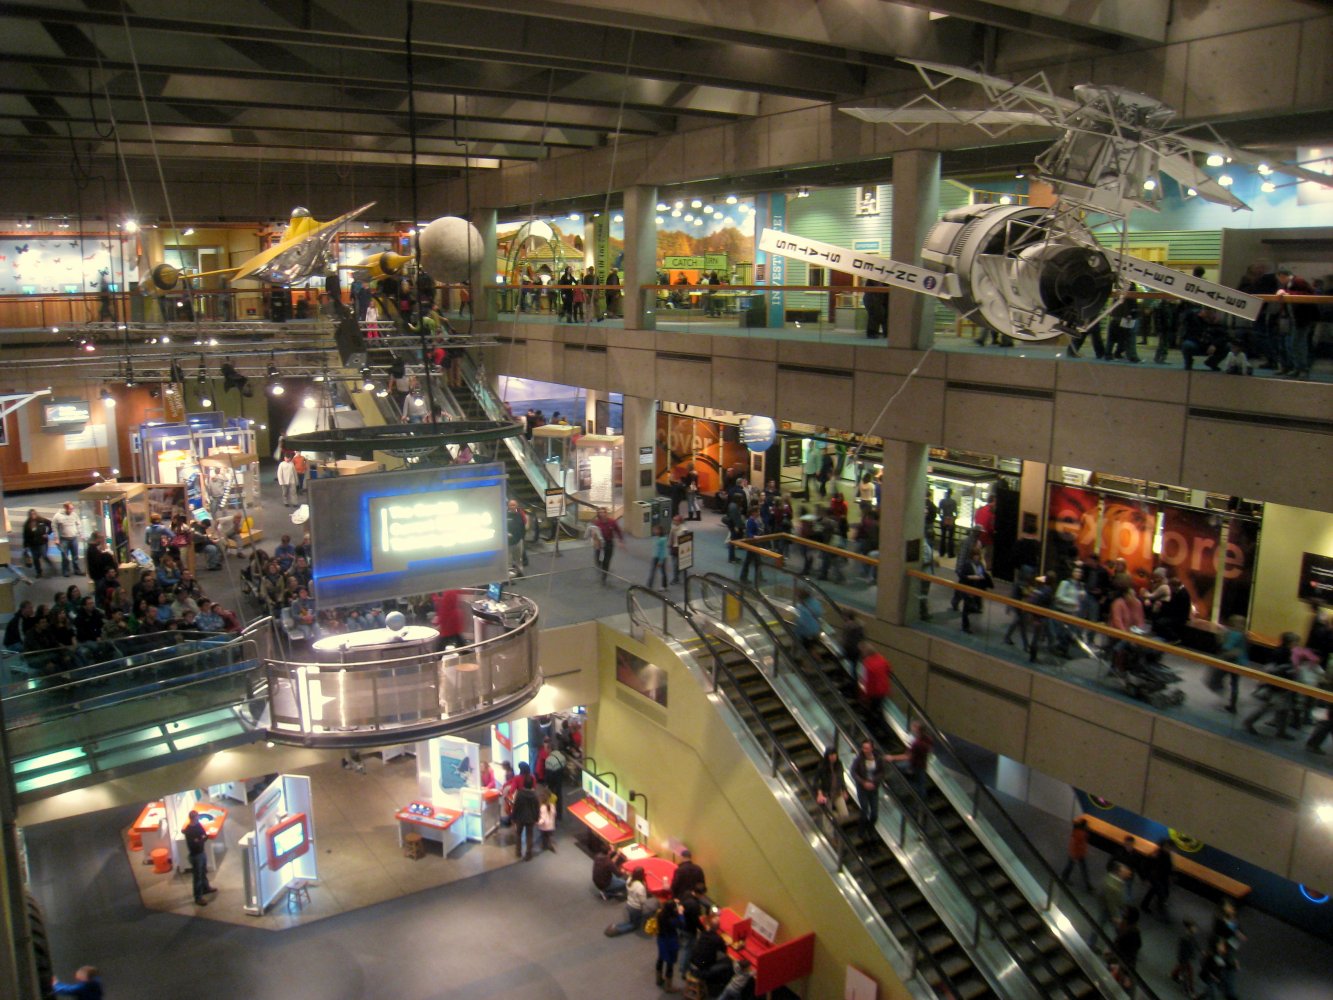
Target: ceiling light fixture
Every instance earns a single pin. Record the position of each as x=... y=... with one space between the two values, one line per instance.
x=188 y=232
x=732 y=199
x=131 y=226
x=1150 y=184
x=662 y=206
x=107 y=398
x=803 y=192
x=1225 y=180
x=1267 y=187
x=1215 y=160
x=696 y=203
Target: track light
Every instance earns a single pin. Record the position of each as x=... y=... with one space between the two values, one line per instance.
x=1225 y=180
x=308 y=400
x=107 y=398
x=1267 y=187
x=732 y=199
x=803 y=192
x=1264 y=170
x=130 y=226
x=274 y=387
x=367 y=383
x=662 y=206
x=1190 y=192
x=696 y=203
x=232 y=379
x=1150 y=184
x=418 y=401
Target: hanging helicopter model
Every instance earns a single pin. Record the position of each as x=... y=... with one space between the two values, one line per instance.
x=1031 y=272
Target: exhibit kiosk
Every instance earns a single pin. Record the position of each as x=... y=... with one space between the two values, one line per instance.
x=174 y=453
x=279 y=853
x=599 y=467
x=120 y=512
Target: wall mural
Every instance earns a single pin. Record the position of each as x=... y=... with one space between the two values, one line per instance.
x=54 y=265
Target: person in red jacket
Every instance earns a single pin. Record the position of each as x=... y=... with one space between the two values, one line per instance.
x=873 y=687
x=449 y=617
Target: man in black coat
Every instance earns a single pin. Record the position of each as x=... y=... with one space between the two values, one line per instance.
x=525 y=813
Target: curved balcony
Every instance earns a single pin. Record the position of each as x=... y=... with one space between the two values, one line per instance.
x=368 y=699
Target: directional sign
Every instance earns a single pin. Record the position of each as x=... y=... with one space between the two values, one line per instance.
x=867 y=265
x=1206 y=293
x=555 y=502
x=685 y=549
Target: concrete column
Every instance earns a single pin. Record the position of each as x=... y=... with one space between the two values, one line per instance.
x=640 y=432
x=901 y=527
x=483 y=304
x=916 y=199
x=640 y=260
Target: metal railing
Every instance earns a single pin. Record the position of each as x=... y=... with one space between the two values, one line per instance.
x=346 y=700
x=989 y=912
x=983 y=807
x=919 y=957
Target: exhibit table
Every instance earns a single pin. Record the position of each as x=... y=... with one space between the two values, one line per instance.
x=657 y=874
x=635 y=852
x=150 y=819
x=433 y=823
x=369 y=642
x=774 y=964
x=606 y=828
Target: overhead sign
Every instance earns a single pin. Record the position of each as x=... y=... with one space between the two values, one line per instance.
x=867 y=265
x=397 y=534
x=1316 y=578
x=1206 y=293
x=685 y=549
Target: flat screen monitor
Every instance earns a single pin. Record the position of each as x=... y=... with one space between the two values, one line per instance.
x=288 y=840
x=65 y=414
x=494 y=591
x=396 y=534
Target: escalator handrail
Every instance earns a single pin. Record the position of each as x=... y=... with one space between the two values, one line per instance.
x=1046 y=874
x=846 y=849
x=894 y=779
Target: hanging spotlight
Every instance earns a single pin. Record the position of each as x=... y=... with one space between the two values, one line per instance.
x=620 y=218
x=699 y=221
x=1225 y=180
x=1215 y=160
x=273 y=386
x=660 y=220
x=675 y=213
x=203 y=375
x=308 y=400
x=1264 y=169
x=1150 y=184
x=129 y=376
x=1191 y=193
x=205 y=396
x=232 y=379
x=131 y=226
x=662 y=206
x=679 y=205
x=381 y=392
x=107 y=398
x=1006 y=200
x=689 y=216
x=696 y=203
x=732 y=199
x=418 y=401
x=367 y=383
x=1267 y=187
x=574 y=217
x=803 y=192
x=188 y=232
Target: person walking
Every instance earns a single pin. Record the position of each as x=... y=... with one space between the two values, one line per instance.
x=1158 y=871
x=660 y=552
x=287 y=481
x=36 y=538
x=604 y=531
x=830 y=790
x=1078 y=853
x=526 y=812
x=868 y=772
x=948 y=511
x=668 y=944
x=68 y=533
x=546 y=822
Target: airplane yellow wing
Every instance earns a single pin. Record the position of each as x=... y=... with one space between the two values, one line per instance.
x=300 y=250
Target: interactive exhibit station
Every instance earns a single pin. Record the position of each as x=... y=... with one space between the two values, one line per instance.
x=402 y=689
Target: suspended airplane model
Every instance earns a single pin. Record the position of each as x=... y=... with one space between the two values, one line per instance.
x=303 y=251
x=1032 y=272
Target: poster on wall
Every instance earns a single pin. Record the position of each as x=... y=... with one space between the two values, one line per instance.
x=1127 y=531
x=867 y=201
x=600 y=469
x=1316 y=578
x=458 y=764
x=646 y=678
x=1071 y=525
x=713 y=447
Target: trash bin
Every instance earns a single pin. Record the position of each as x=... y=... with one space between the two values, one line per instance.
x=643 y=512
x=662 y=512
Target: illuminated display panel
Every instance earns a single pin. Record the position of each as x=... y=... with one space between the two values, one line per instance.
x=288 y=840
x=402 y=533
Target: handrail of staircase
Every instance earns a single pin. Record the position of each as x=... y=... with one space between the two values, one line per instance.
x=844 y=848
x=902 y=789
x=1044 y=875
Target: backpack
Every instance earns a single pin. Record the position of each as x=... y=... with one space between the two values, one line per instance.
x=555 y=761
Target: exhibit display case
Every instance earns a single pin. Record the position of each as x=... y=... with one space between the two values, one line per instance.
x=120 y=512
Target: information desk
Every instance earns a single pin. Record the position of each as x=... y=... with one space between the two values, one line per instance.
x=439 y=825
x=774 y=964
x=150 y=820
x=606 y=828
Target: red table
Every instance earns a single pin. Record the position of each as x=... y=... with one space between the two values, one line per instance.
x=774 y=964
x=657 y=875
x=609 y=829
x=150 y=820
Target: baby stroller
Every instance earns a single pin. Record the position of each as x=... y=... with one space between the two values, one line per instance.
x=1144 y=676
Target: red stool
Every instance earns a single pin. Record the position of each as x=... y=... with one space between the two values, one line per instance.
x=161 y=860
x=136 y=840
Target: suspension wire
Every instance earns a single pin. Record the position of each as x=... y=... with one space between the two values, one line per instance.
x=415 y=314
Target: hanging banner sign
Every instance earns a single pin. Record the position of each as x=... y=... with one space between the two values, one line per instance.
x=685 y=549
x=867 y=265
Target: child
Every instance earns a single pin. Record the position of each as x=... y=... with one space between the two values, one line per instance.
x=1187 y=950
x=1236 y=363
x=546 y=823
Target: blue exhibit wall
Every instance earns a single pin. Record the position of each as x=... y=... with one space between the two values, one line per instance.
x=1271 y=893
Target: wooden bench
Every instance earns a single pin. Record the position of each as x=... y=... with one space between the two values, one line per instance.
x=1108 y=834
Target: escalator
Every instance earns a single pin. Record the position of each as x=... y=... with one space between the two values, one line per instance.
x=1050 y=961
x=906 y=912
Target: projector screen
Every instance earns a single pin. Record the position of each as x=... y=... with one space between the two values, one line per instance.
x=397 y=534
